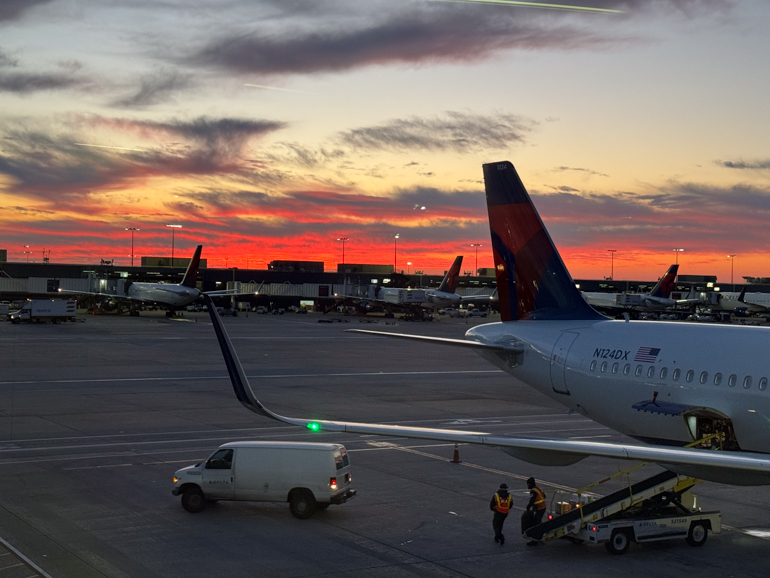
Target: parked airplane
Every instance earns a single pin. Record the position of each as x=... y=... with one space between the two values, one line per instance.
x=728 y=302
x=169 y=295
x=666 y=383
x=656 y=300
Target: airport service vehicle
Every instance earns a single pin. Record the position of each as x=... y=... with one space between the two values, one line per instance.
x=477 y=313
x=53 y=310
x=310 y=476
x=660 y=507
x=666 y=384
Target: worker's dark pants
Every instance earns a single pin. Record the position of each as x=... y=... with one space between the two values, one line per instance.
x=531 y=518
x=497 y=524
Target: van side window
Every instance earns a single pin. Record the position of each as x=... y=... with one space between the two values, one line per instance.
x=341 y=459
x=221 y=460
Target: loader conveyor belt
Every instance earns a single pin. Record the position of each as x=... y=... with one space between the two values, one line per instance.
x=537 y=532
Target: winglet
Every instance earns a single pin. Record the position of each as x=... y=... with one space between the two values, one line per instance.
x=191 y=275
x=532 y=281
x=666 y=283
x=449 y=283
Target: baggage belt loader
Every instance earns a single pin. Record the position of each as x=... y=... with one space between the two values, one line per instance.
x=658 y=508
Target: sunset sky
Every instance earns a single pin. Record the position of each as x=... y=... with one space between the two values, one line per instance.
x=269 y=128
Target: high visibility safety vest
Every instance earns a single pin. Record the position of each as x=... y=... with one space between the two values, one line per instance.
x=502 y=505
x=539 y=498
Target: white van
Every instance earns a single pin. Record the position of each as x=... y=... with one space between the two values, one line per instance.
x=310 y=476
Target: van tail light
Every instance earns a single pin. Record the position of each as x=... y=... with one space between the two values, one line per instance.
x=333 y=483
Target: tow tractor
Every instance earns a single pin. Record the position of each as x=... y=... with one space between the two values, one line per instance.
x=660 y=507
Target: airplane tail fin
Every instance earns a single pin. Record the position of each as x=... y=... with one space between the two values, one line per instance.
x=742 y=296
x=191 y=275
x=449 y=283
x=532 y=281
x=666 y=283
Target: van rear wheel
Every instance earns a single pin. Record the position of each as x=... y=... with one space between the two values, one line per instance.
x=193 y=500
x=302 y=505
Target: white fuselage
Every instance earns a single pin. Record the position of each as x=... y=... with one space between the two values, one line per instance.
x=610 y=301
x=602 y=368
x=171 y=294
x=439 y=299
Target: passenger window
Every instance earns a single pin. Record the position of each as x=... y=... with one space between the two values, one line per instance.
x=221 y=460
x=603 y=368
x=614 y=368
x=593 y=365
x=704 y=376
x=626 y=369
x=717 y=379
x=747 y=382
x=676 y=374
x=651 y=371
x=690 y=375
x=638 y=372
x=732 y=379
x=663 y=372
x=762 y=384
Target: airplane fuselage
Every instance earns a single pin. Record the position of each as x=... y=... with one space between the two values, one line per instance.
x=440 y=299
x=174 y=295
x=603 y=368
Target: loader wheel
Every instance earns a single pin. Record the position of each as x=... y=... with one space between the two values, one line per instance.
x=619 y=542
x=697 y=534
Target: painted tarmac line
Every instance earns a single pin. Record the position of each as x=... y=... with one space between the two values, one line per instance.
x=271 y=376
x=24 y=559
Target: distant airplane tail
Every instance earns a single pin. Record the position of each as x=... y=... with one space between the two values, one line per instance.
x=742 y=296
x=532 y=281
x=191 y=275
x=449 y=284
x=665 y=285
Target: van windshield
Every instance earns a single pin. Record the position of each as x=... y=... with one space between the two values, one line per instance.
x=341 y=459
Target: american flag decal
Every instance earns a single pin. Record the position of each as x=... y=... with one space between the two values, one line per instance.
x=647 y=354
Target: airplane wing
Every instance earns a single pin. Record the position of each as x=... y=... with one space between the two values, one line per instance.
x=742 y=468
x=502 y=347
x=96 y=294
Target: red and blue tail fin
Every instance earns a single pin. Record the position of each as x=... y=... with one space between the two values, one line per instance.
x=665 y=285
x=449 y=284
x=532 y=281
x=191 y=275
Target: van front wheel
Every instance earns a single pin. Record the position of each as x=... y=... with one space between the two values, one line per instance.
x=193 y=500
x=302 y=505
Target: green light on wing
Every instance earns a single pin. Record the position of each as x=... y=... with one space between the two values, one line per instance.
x=315 y=426
x=538 y=5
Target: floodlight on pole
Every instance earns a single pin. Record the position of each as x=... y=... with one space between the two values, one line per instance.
x=173 y=228
x=132 y=229
x=732 y=263
x=612 y=261
x=476 y=246
x=343 y=240
x=395 y=252
x=677 y=251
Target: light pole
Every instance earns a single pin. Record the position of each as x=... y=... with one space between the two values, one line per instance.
x=132 y=229
x=173 y=228
x=476 y=245
x=395 y=252
x=342 y=240
x=408 y=265
x=732 y=263
x=612 y=261
x=677 y=251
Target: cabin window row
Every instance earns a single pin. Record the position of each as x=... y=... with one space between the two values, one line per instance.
x=677 y=374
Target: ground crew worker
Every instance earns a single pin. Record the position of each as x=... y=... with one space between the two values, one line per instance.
x=500 y=505
x=533 y=515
